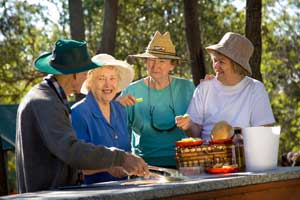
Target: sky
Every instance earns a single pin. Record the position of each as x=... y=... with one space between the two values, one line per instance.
x=54 y=13
x=53 y=10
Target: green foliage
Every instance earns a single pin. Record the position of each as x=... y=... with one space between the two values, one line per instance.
x=33 y=32
x=26 y=31
x=11 y=171
x=93 y=12
x=217 y=18
x=138 y=21
x=280 y=68
x=22 y=39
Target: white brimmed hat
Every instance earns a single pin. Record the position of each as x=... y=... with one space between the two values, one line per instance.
x=236 y=47
x=126 y=72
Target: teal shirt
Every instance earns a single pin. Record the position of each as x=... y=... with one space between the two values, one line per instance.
x=157 y=147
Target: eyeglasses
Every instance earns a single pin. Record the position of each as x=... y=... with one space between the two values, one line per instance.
x=170 y=126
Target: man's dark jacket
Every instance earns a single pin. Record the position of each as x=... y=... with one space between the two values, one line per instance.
x=48 y=155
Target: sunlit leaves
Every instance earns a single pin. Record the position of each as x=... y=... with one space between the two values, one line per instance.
x=280 y=67
x=22 y=39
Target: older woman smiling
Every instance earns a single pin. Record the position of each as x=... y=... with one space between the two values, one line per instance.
x=98 y=118
x=232 y=95
x=152 y=121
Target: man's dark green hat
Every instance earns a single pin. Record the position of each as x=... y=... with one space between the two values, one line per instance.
x=67 y=57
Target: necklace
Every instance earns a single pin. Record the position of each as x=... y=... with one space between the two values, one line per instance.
x=152 y=108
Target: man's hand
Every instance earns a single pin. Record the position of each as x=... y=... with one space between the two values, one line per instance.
x=134 y=165
x=117 y=172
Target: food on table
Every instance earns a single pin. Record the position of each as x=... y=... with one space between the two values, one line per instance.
x=191 y=171
x=186 y=115
x=218 y=165
x=189 y=142
x=222 y=170
x=138 y=100
x=189 y=153
x=221 y=131
x=189 y=139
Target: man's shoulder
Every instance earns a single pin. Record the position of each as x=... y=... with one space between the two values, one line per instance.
x=39 y=96
x=37 y=93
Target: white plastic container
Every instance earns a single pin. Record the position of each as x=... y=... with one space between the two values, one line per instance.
x=261 y=148
x=191 y=171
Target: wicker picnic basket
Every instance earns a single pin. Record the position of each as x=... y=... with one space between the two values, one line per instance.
x=205 y=155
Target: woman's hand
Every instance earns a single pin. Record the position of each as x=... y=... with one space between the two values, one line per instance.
x=183 y=122
x=126 y=100
x=207 y=77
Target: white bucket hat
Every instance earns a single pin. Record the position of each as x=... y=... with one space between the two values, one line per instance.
x=126 y=72
x=236 y=47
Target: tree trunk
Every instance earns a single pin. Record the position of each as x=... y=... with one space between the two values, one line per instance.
x=76 y=20
x=3 y=177
x=193 y=38
x=253 y=33
x=109 y=27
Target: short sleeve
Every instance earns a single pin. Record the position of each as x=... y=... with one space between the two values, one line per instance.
x=262 y=112
x=195 y=109
x=128 y=110
x=191 y=89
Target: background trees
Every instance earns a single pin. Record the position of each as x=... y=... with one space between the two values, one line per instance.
x=280 y=67
x=193 y=38
x=253 y=33
x=76 y=20
x=109 y=31
x=26 y=30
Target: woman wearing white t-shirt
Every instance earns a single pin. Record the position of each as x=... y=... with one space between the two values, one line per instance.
x=231 y=95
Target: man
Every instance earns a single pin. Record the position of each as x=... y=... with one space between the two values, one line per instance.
x=48 y=154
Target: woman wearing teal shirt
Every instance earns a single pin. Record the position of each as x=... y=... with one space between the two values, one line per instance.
x=152 y=121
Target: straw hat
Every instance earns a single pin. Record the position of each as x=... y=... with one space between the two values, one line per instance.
x=126 y=73
x=236 y=47
x=161 y=46
x=67 y=57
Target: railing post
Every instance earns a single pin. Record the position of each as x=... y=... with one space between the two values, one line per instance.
x=3 y=176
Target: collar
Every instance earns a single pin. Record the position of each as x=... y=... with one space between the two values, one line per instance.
x=53 y=83
x=231 y=89
x=94 y=107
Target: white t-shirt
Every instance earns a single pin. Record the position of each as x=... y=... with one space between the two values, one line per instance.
x=245 y=104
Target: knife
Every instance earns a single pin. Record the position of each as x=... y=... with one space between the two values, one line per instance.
x=94 y=185
x=164 y=171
